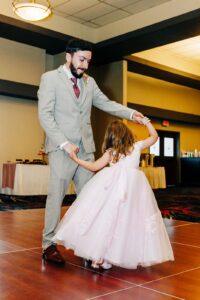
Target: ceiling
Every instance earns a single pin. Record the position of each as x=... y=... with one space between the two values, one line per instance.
x=151 y=42
x=184 y=55
x=97 y=13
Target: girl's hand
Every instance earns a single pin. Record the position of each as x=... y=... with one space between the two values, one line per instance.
x=137 y=116
x=73 y=155
x=143 y=120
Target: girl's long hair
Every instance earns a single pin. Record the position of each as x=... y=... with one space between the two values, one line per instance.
x=119 y=138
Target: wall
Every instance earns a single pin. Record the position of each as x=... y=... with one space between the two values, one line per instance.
x=54 y=61
x=189 y=134
x=20 y=62
x=20 y=133
x=109 y=78
x=157 y=93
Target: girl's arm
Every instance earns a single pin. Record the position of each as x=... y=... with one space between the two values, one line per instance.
x=92 y=165
x=153 y=135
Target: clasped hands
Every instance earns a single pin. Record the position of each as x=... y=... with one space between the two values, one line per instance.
x=72 y=150
x=140 y=118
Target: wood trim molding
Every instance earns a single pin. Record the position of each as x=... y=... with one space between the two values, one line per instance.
x=18 y=90
x=165 y=73
x=164 y=114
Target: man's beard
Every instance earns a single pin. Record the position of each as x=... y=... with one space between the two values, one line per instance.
x=74 y=71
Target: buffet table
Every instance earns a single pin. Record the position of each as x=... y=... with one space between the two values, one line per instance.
x=25 y=179
x=156 y=176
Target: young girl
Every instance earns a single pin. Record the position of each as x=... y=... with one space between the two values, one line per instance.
x=115 y=219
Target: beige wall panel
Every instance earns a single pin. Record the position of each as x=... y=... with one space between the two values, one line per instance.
x=49 y=63
x=20 y=133
x=20 y=62
x=59 y=59
x=158 y=93
x=110 y=80
x=54 y=61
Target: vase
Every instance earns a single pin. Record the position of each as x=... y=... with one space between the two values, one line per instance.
x=152 y=160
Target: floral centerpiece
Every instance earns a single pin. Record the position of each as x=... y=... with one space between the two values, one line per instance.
x=42 y=152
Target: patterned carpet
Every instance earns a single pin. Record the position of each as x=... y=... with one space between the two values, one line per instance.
x=179 y=203
x=28 y=202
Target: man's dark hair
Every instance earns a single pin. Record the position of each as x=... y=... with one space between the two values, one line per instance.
x=75 y=45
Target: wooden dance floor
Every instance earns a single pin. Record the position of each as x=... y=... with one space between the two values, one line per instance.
x=23 y=276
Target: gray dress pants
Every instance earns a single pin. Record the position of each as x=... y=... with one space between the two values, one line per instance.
x=62 y=171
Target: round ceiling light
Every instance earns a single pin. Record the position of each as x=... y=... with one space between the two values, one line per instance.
x=32 y=10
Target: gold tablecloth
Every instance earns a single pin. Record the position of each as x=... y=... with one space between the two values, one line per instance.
x=156 y=176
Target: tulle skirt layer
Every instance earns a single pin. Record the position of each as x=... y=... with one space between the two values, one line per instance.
x=116 y=218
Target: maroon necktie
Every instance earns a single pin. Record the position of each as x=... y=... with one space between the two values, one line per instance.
x=75 y=86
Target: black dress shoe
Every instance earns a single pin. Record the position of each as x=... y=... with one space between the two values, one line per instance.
x=51 y=254
x=87 y=263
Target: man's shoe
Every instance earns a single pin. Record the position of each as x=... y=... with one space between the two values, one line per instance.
x=87 y=263
x=51 y=254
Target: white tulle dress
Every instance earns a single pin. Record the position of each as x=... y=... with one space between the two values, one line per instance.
x=116 y=218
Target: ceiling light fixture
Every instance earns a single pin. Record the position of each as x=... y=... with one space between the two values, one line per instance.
x=34 y=10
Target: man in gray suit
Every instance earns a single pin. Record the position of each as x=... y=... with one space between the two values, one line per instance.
x=66 y=96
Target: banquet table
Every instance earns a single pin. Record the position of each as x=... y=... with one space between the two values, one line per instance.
x=27 y=179
x=156 y=176
x=30 y=179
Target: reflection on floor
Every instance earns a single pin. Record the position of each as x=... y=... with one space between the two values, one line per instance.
x=23 y=275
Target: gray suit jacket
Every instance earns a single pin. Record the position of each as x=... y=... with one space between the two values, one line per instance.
x=64 y=117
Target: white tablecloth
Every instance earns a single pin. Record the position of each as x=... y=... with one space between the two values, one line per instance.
x=33 y=180
x=30 y=180
x=156 y=176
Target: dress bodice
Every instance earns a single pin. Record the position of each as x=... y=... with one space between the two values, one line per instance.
x=133 y=159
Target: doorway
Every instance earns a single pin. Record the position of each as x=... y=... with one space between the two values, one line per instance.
x=166 y=151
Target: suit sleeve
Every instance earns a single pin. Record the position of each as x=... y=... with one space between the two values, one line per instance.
x=46 y=109
x=101 y=101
